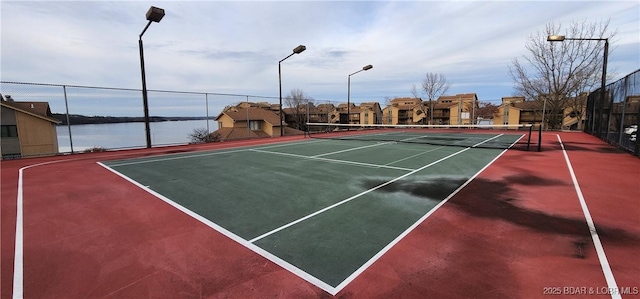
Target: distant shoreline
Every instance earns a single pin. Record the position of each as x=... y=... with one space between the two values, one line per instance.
x=75 y=119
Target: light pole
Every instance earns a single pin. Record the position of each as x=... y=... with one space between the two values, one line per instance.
x=296 y=50
x=603 y=83
x=154 y=14
x=365 y=68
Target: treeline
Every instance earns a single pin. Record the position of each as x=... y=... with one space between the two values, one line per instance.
x=76 y=119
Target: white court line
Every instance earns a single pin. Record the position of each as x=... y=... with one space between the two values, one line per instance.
x=181 y=156
x=333 y=160
x=351 y=149
x=365 y=192
x=413 y=156
x=494 y=137
x=384 y=143
x=209 y=153
x=18 y=271
x=293 y=143
x=269 y=256
x=384 y=250
x=604 y=263
x=18 y=259
x=284 y=264
x=354 y=197
x=18 y=255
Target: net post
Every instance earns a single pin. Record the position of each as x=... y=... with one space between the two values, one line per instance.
x=540 y=138
x=529 y=139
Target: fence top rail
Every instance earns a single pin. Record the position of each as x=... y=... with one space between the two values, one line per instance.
x=140 y=90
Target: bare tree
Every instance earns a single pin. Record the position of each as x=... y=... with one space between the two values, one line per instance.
x=202 y=135
x=299 y=101
x=433 y=86
x=387 y=100
x=555 y=72
x=486 y=110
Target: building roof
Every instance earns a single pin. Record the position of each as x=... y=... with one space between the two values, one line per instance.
x=457 y=97
x=238 y=133
x=437 y=105
x=230 y=133
x=369 y=105
x=406 y=103
x=289 y=131
x=406 y=99
x=513 y=99
x=344 y=105
x=527 y=105
x=37 y=109
x=264 y=105
x=252 y=113
x=326 y=106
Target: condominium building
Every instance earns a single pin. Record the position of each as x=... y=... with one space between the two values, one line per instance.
x=404 y=111
x=517 y=110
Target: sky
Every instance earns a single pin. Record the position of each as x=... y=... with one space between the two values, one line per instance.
x=233 y=47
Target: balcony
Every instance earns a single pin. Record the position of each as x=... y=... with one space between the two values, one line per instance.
x=403 y=114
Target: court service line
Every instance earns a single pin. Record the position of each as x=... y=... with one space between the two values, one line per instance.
x=413 y=156
x=354 y=197
x=365 y=192
x=333 y=160
x=175 y=158
x=494 y=137
x=351 y=149
x=604 y=263
x=294 y=143
x=210 y=153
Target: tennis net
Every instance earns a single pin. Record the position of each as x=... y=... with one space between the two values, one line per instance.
x=480 y=136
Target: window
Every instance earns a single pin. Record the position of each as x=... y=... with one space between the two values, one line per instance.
x=255 y=125
x=10 y=131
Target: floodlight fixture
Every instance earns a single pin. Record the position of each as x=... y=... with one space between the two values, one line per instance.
x=155 y=14
x=299 y=49
x=555 y=38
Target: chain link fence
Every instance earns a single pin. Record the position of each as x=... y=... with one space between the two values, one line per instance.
x=118 y=113
x=102 y=118
x=616 y=117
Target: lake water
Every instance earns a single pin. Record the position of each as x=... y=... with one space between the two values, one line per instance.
x=128 y=135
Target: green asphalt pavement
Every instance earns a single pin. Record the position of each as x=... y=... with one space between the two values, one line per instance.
x=324 y=206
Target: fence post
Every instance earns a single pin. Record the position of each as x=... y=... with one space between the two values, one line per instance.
x=66 y=104
x=248 y=120
x=539 y=138
x=206 y=102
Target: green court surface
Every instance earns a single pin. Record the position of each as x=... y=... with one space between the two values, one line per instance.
x=323 y=209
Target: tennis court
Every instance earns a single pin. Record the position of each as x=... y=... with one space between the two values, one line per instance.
x=374 y=216
x=323 y=209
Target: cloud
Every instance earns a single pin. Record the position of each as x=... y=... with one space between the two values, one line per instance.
x=235 y=46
